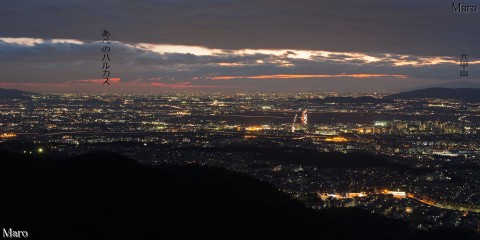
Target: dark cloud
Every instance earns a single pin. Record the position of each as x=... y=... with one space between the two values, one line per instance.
x=50 y=61
x=378 y=26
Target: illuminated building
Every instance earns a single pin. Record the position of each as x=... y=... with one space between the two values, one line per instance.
x=8 y=135
x=397 y=194
x=336 y=139
x=304 y=117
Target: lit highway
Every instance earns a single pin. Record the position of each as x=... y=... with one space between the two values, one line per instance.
x=444 y=206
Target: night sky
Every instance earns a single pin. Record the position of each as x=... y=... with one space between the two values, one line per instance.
x=236 y=45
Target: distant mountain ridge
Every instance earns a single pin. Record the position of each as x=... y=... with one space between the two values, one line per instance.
x=465 y=94
x=15 y=94
x=455 y=84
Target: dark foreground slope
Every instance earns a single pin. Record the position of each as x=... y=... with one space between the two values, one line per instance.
x=106 y=196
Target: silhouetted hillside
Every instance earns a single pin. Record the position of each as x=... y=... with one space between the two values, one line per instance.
x=94 y=102
x=465 y=94
x=455 y=84
x=106 y=196
x=302 y=156
x=326 y=159
x=15 y=94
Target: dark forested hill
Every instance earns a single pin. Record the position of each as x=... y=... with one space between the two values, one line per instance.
x=107 y=196
x=15 y=94
x=465 y=94
x=301 y=156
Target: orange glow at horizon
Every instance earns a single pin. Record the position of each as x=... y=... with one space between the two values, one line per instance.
x=293 y=76
x=111 y=80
